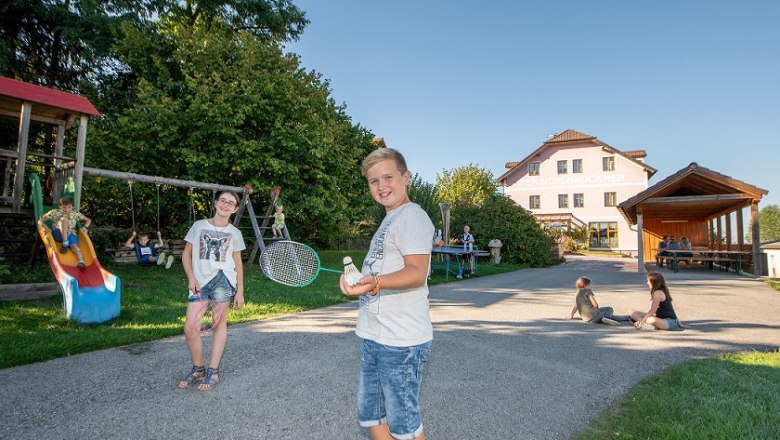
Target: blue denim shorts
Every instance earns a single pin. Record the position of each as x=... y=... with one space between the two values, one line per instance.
x=389 y=389
x=72 y=239
x=217 y=289
x=672 y=323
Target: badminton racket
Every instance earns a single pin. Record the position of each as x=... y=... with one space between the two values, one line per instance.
x=292 y=263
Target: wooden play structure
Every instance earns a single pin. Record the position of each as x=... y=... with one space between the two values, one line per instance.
x=32 y=104
x=50 y=111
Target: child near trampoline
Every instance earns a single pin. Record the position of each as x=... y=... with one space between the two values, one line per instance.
x=64 y=221
x=394 y=321
x=144 y=249
x=215 y=273
x=588 y=307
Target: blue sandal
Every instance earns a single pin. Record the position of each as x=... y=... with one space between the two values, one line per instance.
x=208 y=380
x=192 y=377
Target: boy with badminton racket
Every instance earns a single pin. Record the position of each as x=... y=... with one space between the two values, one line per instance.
x=212 y=262
x=393 y=320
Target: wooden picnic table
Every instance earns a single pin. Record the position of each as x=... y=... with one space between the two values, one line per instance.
x=709 y=257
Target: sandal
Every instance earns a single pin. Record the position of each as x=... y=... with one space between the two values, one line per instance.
x=208 y=380
x=192 y=377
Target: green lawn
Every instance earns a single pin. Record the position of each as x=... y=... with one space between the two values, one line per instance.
x=734 y=396
x=153 y=304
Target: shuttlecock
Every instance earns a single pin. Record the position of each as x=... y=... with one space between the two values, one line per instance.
x=351 y=273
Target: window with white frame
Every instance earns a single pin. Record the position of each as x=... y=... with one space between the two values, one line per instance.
x=609 y=163
x=533 y=168
x=610 y=199
x=579 y=200
x=576 y=165
x=563 y=200
x=563 y=167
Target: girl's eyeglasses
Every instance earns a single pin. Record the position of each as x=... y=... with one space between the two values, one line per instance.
x=226 y=202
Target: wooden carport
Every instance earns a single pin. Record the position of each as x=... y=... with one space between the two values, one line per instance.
x=695 y=202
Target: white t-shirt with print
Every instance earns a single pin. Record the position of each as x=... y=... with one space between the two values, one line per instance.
x=212 y=250
x=398 y=318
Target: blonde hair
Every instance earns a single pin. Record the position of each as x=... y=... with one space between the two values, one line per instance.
x=380 y=155
x=583 y=282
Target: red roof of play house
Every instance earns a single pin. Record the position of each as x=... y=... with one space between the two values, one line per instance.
x=46 y=96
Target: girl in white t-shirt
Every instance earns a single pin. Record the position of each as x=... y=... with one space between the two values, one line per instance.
x=212 y=262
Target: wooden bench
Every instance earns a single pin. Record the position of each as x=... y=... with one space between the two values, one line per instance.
x=710 y=261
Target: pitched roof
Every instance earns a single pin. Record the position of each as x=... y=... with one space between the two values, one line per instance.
x=22 y=91
x=637 y=154
x=694 y=192
x=574 y=136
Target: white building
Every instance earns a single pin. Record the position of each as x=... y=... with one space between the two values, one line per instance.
x=576 y=179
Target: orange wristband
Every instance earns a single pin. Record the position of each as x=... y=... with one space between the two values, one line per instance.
x=377 y=287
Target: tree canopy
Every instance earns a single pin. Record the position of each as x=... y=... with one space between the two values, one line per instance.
x=210 y=104
x=499 y=217
x=465 y=186
x=769 y=223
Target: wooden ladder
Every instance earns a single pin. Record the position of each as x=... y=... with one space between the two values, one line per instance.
x=260 y=223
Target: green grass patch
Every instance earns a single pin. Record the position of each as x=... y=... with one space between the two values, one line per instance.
x=153 y=304
x=775 y=285
x=727 y=397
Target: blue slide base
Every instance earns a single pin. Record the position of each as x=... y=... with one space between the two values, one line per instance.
x=91 y=305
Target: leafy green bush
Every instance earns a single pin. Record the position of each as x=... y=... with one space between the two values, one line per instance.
x=524 y=242
x=105 y=240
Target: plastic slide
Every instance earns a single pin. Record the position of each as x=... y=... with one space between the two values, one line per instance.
x=90 y=295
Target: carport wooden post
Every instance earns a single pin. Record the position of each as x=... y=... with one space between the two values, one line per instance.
x=740 y=230
x=640 y=241
x=720 y=234
x=728 y=231
x=21 y=159
x=756 y=239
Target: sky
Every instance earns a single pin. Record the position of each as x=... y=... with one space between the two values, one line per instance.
x=453 y=83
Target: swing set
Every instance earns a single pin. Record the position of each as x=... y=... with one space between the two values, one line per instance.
x=246 y=209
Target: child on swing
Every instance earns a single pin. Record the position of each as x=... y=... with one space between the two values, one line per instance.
x=215 y=273
x=63 y=228
x=144 y=249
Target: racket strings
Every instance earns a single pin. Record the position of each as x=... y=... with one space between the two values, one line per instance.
x=217 y=311
x=290 y=263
